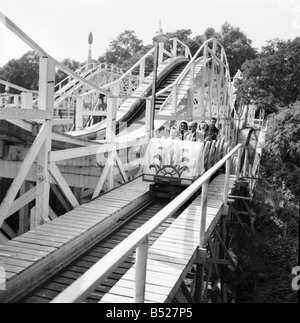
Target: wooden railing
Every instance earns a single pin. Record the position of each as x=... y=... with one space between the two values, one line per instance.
x=138 y=241
x=213 y=57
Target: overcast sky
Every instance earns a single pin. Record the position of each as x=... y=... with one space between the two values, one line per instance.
x=61 y=27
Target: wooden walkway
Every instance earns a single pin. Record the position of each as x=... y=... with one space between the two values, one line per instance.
x=31 y=258
x=172 y=255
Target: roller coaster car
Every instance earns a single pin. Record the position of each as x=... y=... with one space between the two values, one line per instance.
x=173 y=162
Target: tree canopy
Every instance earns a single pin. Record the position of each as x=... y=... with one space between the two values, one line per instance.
x=23 y=72
x=282 y=148
x=272 y=80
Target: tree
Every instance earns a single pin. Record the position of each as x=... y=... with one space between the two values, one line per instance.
x=71 y=64
x=123 y=48
x=272 y=80
x=23 y=72
x=237 y=46
x=282 y=149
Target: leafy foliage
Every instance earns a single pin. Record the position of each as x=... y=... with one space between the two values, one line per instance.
x=282 y=149
x=23 y=72
x=272 y=80
x=71 y=64
x=123 y=48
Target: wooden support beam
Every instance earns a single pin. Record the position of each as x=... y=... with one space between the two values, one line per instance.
x=24 y=114
x=120 y=166
x=108 y=166
x=202 y=255
x=3 y=239
x=60 y=197
x=63 y=185
x=52 y=214
x=8 y=231
x=186 y=293
x=225 y=249
x=23 y=200
x=29 y=159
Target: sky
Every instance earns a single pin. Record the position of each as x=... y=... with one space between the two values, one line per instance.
x=61 y=27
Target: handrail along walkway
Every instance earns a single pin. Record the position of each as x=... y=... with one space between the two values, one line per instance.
x=138 y=241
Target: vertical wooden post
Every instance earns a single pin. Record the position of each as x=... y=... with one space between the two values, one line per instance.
x=174 y=99
x=174 y=51
x=201 y=259
x=26 y=100
x=24 y=212
x=203 y=212
x=148 y=129
x=46 y=102
x=226 y=186
x=250 y=179
x=111 y=119
x=142 y=70
x=246 y=162
x=111 y=136
x=140 y=272
x=191 y=92
x=238 y=164
x=161 y=53
x=79 y=113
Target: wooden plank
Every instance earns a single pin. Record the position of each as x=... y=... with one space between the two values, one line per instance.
x=45 y=237
x=38 y=242
x=24 y=114
x=15 y=262
x=53 y=233
x=67 y=229
x=23 y=250
x=65 y=253
x=17 y=244
x=14 y=269
x=18 y=255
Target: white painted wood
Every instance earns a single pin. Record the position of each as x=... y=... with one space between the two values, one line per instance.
x=140 y=272
x=24 y=114
x=23 y=200
x=29 y=159
x=63 y=185
x=79 y=113
x=203 y=212
x=26 y=100
x=46 y=102
x=105 y=172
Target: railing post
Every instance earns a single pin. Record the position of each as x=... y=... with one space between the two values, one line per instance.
x=46 y=102
x=226 y=185
x=191 y=92
x=26 y=100
x=140 y=272
x=203 y=211
x=161 y=53
x=148 y=129
x=174 y=99
x=245 y=162
x=238 y=164
x=110 y=136
x=79 y=113
x=174 y=51
x=142 y=70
